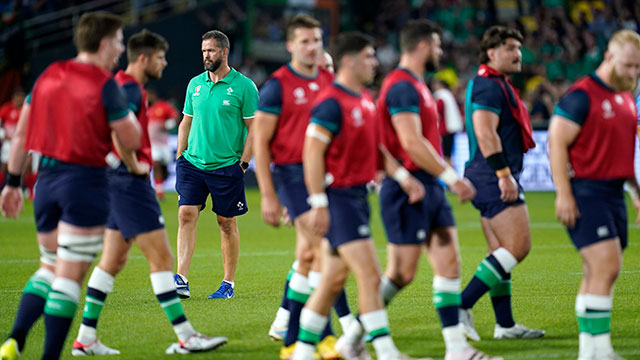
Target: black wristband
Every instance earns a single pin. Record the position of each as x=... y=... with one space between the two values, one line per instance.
x=497 y=161
x=13 y=180
x=244 y=165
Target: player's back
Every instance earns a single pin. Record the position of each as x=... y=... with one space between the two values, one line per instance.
x=68 y=121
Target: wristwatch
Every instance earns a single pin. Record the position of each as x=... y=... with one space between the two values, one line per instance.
x=244 y=165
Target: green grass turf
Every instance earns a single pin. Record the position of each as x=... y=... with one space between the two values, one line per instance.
x=544 y=287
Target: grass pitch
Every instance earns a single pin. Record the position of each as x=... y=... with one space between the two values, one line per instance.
x=544 y=288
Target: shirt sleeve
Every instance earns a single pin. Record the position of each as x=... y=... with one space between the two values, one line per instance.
x=574 y=106
x=328 y=115
x=487 y=94
x=134 y=96
x=403 y=97
x=271 y=97
x=188 y=108
x=115 y=102
x=250 y=100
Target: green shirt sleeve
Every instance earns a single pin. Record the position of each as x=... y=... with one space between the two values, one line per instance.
x=188 y=108
x=250 y=100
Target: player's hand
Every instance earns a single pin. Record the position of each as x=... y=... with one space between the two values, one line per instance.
x=271 y=210
x=11 y=201
x=140 y=169
x=464 y=189
x=285 y=218
x=508 y=188
x=318 y=221
x=567 y=210
x=414 y=188
x=636 y=204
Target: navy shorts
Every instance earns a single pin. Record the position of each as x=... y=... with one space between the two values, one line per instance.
x=289 y=180
x=134 y=208
x=349 y=211
x=75 y=194
x=601 y=218
x=487 y=198
x=411 y=223
x=226 y=186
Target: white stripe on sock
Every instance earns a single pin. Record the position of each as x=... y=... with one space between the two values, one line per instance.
x=505 y=258
x=101 y=280
x=162 y=282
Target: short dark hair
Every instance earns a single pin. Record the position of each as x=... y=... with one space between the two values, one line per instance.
x=93 y=27
x=221 y=39
x=301 y=21
x=350 y=43
x=415 y=31
x=495 y=36
x=145 y=42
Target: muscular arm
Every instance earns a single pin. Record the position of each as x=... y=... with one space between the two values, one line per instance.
x=183 y=134
x=127 y=132
x=263 y=129
x=313 y=160
x=247 y=152
x=409 y=184
x=11 y=197
x=562 y=133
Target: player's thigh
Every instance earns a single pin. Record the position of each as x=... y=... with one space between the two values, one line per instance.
x=360 y=257
x=402 y=262
x=155 y=247
x=115 y=251
x=443 y=252
x=511 y=227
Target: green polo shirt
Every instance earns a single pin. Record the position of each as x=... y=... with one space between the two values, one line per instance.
x=218 y=131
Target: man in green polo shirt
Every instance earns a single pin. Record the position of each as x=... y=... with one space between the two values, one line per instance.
x=214 y=150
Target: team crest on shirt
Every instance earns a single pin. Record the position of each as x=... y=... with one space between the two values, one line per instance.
x=607 y=109
x=368 y=105
x=300 y=96
x=313 y=86
x=229 y=90
x=197 y=90
x=356 y=114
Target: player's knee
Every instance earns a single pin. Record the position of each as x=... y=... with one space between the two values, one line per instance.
x=403 y=278
x=187 y=215
x=161 y=262
x=78 y=248
x=337 y=283
x=227 y=225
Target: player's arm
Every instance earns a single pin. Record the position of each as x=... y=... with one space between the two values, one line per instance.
x=129 y=157
x=121 y=120
x=394 y=169
x=485 y=127
x=566 y=123
x=562 y=133
x=316 y=143
x=326 y=121
x=403 y=101
x=263 y=129
x=11 y=198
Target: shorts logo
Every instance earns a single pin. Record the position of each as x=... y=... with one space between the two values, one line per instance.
x=602 y=231
x=197 y=90
x=421 y=234
x=363 y=230
x=240 y=205
x=161 y=219
x=226 y=103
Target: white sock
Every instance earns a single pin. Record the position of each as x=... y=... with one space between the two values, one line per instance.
x=303 y=351
x=505 y=258
x=346 y=321
x=375 y=321
x=314 y=279
x=354 y=332
x=233 y=283
x=454 y=338
x=388 y=289
x=101 y=280
x=162 y=283
x=282 y=317
x=87 y=334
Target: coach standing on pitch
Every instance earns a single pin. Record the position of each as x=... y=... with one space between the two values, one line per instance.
x=499 y=133
x=214 y=150
x=592 y=133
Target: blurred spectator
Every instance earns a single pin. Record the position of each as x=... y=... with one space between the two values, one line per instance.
x=163 y=117
x=254 y=71
x=449 y=116
x=9 y=113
